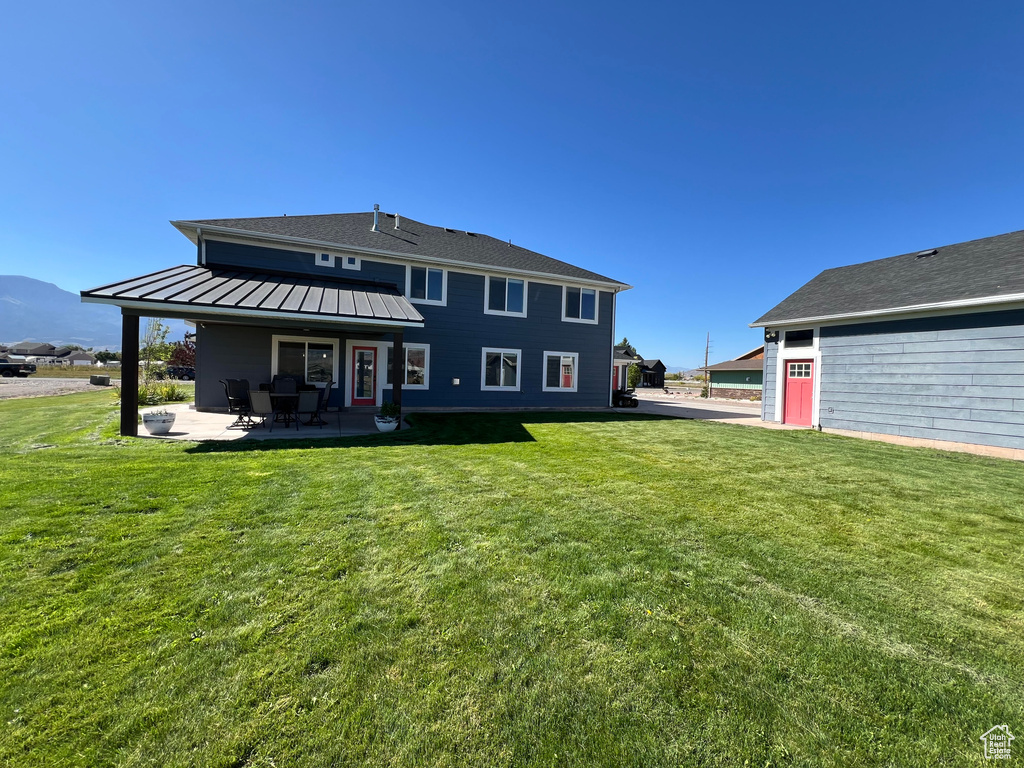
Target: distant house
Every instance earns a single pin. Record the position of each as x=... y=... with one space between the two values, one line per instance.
x=927 y=345
x=32 y=349
x=79 y=358
x=739 y=378
x=621 y=360
x=653 y=373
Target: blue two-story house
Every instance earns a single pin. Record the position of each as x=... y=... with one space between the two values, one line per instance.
x=379 y=307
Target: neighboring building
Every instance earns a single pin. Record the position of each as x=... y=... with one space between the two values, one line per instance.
x=32 y=349
x=478 y=322
x=740 y=378
x=78 y=357
x=621 y=360
x=927 y=345
x=653 y=373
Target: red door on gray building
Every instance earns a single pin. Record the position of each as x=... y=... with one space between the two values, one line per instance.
x=799 y=394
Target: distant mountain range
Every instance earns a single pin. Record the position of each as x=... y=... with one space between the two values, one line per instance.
x=32 y=310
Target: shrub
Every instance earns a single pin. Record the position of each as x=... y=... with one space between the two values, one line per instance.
x=171 y=392
x=389 y=410
x=155 y=393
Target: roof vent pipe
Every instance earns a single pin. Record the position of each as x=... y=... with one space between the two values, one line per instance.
x=398 y=221
x=376 y=216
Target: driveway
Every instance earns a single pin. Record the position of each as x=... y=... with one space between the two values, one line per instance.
x=38 y=386
x=695 y=407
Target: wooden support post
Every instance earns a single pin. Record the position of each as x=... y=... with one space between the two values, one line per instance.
x=397 y=374
x=129 y=374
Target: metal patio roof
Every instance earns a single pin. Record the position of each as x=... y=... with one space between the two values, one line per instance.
x=255 y=294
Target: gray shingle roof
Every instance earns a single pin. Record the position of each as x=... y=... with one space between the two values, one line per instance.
x=415 y=238
x=989 y=268
x=229 y=291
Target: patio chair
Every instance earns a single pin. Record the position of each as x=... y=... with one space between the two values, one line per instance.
x=262 y=406
x=284 y=407
x=309 y=401
x=237 y=392
x=285 y=384
x=321 y=403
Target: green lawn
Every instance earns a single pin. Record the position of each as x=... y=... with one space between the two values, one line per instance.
x=502 y=590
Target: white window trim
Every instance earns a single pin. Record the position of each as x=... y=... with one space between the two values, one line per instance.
x=329 y=260
x=597 y=305
x=812 y=353
x=487 y=295
x=483 y=368
x=575 y=371
x=444 y=284
x=426 y=365
x=307 y=339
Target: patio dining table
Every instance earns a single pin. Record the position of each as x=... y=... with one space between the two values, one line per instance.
x=285 y=404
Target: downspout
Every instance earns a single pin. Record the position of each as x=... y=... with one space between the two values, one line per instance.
x=615 y=295
x=201 y=243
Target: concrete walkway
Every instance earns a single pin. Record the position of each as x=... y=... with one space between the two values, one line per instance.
x=190 y=424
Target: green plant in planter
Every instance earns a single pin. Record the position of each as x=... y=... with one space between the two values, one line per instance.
x=389 y=411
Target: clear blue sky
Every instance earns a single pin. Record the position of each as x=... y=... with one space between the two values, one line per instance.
x=714 y=155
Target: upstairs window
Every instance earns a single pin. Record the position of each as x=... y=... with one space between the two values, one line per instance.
x=505 y=296
x=560 y=370
x=579 y=305
x=427 y=285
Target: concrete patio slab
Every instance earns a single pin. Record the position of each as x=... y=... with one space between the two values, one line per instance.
x=199 y=426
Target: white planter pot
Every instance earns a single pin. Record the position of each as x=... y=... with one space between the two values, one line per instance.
x=158 y=424
x=385 y=425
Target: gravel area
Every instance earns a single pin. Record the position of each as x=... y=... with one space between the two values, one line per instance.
x=41 y=387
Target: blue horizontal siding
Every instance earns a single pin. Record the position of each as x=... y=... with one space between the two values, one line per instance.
x=958 y=378
x=456 y=333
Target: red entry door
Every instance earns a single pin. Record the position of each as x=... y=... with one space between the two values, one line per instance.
x=364 y=376
x=615 y=378
x=799 y=394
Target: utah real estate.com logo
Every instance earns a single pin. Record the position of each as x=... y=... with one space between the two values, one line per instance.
x=997 y=742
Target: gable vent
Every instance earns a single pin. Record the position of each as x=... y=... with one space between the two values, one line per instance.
x=926 y=254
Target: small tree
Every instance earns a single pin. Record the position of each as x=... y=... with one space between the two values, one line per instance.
x=154 y=345
x=633 y=376
x=105 y=356
x=184 y=354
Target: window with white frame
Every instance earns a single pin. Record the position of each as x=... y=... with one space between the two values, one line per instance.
x=500 y=369
x=416 y=369
x=560 y=371
x=801 y=338
x=426 y=285
x=579 y=305
x=315 y=360
x=505 y=296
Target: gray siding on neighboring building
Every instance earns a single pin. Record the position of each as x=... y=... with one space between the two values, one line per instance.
x=771 y=354
x=456 y=333
x=958 y=378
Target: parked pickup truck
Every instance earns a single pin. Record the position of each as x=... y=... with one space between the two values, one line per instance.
x=8 y=369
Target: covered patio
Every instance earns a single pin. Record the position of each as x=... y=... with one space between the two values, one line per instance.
x=252 y=305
